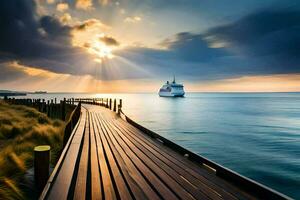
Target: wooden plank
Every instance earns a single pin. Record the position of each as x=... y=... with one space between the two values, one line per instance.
x=96 y=183
x=82 y=175
x=62 y=183
x=121 y=187
x=169 y=181
x=160 y=187
x=182 y=181
x=108 y=188
x=138 y=185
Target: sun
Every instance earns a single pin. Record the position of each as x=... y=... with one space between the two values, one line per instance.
x=101 y=51
x=92 y=43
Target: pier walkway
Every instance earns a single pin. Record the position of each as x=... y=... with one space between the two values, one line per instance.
x=108 y=158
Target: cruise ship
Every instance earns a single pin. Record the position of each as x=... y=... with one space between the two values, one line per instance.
x=172 y=89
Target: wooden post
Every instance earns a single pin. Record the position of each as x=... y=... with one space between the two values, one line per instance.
x=120 y=107
x=52 y=109
x=115 y=105
x=39 y=104
x=41 y=165
x=43 y=106
x=110 y=104
x=63 y=110
x=48 y=108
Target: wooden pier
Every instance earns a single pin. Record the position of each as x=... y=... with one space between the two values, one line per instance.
x=107 y=157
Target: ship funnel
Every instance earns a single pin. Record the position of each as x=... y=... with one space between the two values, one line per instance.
x=174 y=79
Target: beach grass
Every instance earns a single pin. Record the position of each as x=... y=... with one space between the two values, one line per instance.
x=21 y=129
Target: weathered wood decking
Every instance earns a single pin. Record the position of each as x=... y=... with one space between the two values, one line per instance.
x=107 y=158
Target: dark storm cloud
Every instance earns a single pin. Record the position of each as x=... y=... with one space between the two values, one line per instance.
x=109 y=41
x=263 y=43
x=192 y=47
x=17 y=25
x=270 y=36
x=37 y=41
x=54 y=28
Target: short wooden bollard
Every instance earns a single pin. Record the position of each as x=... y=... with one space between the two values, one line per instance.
x=41 y=165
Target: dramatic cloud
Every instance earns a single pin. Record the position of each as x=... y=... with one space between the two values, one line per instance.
x=90 y=23
x=61 y=7
x=192 y=47
x=262 y=43
x=269 y=36
x=65 y=18
x=54 y=29
x=84 y=4
x=109 y=41
x=42 y=42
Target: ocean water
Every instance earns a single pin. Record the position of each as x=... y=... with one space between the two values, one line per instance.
x=254 y=134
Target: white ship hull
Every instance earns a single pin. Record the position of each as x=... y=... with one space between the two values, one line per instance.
x=171 y=94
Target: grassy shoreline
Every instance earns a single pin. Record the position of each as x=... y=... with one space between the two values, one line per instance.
x=22 y=128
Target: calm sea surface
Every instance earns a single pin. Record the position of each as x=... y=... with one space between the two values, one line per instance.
x=254 y=134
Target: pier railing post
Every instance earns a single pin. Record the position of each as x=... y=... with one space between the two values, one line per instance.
x=51 y=110
x=115 y=105
x=120 y=107
x=63 y=109
x=43 y=106
x=41 y=165
x=39 y=104
x=48 y=108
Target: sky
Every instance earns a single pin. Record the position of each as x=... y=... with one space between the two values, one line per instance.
x=136 y=46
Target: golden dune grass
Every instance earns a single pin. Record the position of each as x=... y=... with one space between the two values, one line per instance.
x=22 y=128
